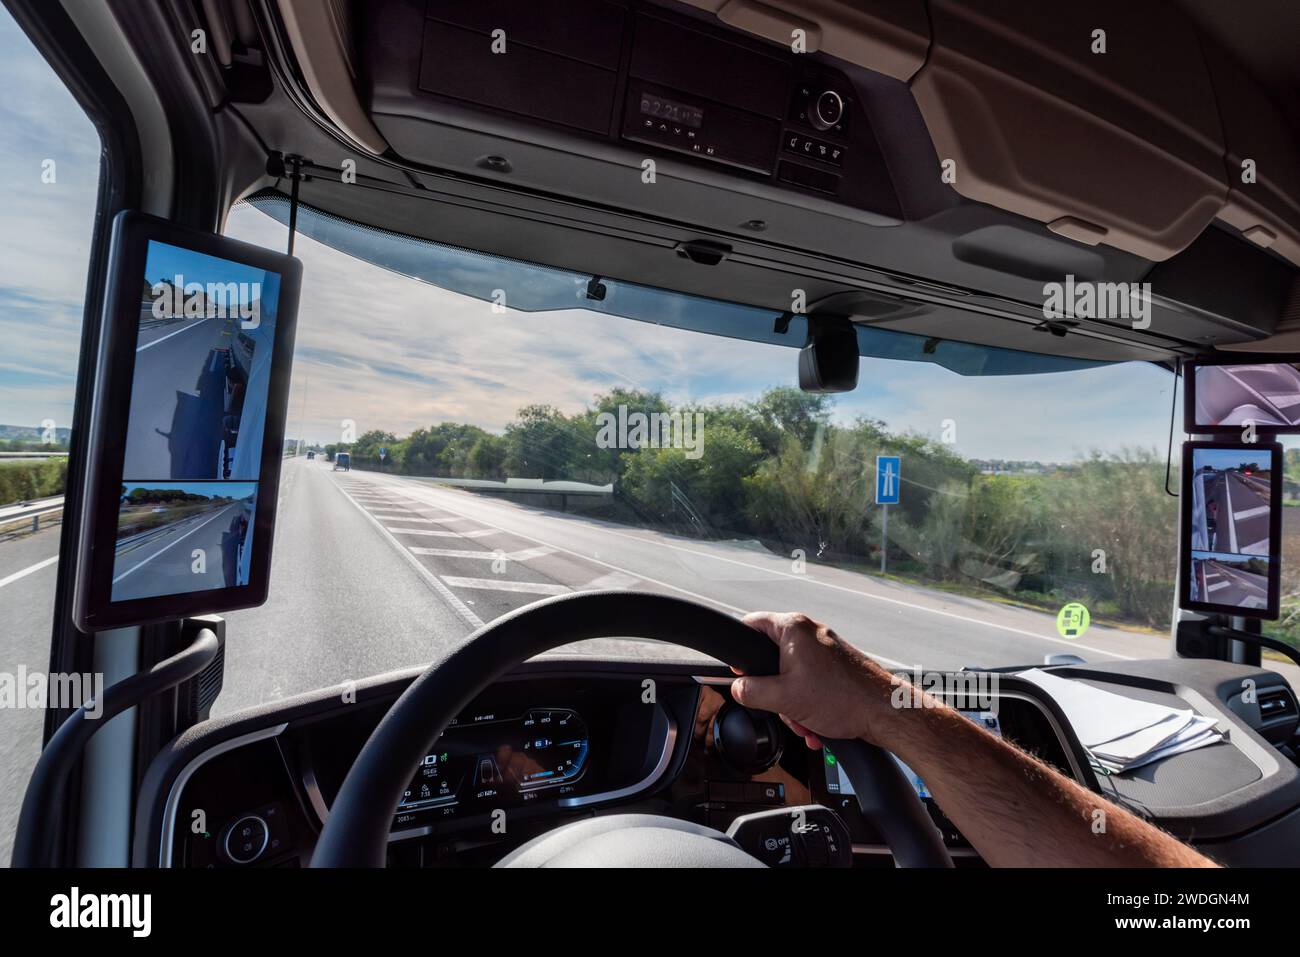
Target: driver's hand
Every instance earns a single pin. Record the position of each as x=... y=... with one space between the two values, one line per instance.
x=826 y=688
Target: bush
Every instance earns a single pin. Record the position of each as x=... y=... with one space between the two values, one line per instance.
x=22 y=481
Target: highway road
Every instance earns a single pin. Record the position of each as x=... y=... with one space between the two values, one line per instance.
x=150 y=563
x=373 y=572
x=178 y=401
x=27 y=572
x=1222 y=584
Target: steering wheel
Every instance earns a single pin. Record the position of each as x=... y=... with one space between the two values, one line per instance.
x=356 y=832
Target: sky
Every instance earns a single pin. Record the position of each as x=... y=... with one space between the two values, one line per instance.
x=45 y=231
x=389 y=352
x=165 y=262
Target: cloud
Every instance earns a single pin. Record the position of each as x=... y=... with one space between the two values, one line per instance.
x=391 y=352
x=1053 y=417
x=45 y=242
x=394 y=353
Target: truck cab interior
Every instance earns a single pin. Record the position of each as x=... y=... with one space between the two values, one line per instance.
x=980 y=240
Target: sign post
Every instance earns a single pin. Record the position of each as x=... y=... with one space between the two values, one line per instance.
x=889 y=471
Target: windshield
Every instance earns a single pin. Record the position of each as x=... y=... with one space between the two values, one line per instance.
x=510 y=434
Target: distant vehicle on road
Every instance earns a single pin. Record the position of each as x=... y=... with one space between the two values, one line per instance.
x=343 y=460
x=311 y=455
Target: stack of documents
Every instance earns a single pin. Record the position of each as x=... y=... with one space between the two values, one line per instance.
x=1122 y=733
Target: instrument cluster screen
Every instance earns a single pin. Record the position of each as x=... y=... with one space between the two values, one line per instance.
x=517 y=758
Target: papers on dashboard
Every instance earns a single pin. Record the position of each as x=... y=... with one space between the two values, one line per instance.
x=1123 y=733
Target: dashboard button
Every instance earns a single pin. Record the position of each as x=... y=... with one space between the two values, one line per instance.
x=247 y=839
x=764 y=792
x=827 y=110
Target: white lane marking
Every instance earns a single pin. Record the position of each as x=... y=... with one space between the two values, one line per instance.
x=27 y=571
x=614 y=580
x=150 y=345
x=1256 y=548
x=438 y=520
x=500 y=584
x=219 y=513
x=1250 y=513
x=1216 y=586
x=443 y=591
x=441 y=533
x=520 y=556
x=796 y=577
x=705 y=599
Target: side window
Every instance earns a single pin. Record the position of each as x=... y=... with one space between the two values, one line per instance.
x=49 y=152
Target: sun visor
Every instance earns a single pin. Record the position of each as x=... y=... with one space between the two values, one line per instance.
x=1099 y=120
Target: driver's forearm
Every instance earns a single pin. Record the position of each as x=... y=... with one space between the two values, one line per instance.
x=1014 y=809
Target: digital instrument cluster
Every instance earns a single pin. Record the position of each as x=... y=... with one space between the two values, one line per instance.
x=490 y=758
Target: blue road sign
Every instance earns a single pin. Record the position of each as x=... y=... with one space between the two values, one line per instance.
x=889 y=470
x=383 y=453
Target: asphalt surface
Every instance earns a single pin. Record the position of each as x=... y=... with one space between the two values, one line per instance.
x=1222 y=584
x=26 y=619
x=1237 y=513
x=161 y=561
x=176 y=432
x=373 y=572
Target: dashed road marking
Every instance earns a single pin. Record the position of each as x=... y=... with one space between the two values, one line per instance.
x=28 y=570
x=501 y=584
x=443 y=533
x=524 y=555
x=791 y=576
x=614 y=581
x=445 y=593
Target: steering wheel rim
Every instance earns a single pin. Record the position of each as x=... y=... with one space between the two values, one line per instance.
x=357 y=829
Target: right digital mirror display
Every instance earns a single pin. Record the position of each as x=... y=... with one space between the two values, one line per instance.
x=1232 y=506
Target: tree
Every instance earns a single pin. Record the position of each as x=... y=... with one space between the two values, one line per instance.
x=540 y=443
x=487 y=457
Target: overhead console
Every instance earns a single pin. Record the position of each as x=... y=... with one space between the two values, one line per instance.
x=927 y=156
x=627 y=74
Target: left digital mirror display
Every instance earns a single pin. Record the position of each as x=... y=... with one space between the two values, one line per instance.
x=197 y=421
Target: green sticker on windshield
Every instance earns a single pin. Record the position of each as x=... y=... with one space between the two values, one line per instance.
x=1072 y=620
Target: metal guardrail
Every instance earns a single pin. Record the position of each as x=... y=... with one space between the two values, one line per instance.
x=32 y=511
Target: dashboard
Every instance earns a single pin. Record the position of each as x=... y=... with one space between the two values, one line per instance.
x=558 y=740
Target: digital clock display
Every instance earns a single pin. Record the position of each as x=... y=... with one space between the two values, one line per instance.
x=671 y=112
